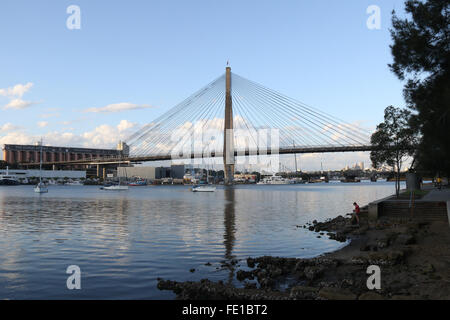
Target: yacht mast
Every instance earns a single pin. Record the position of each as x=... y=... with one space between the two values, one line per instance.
x=40 y=165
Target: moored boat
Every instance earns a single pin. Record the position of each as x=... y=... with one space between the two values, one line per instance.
x=40 y=187
x=203 y=188
x=115 y=188
x=137 y=183
x=8 y=179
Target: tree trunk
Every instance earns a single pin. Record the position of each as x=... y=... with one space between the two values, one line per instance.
x=397 y=180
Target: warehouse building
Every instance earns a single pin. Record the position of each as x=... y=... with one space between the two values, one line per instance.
x=152 y=173
x=13 y=153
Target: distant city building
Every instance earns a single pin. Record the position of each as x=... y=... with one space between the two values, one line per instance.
x=122 y=146
x=152 y=173
x=361 y=165
x=245 y=177
x=14 y=153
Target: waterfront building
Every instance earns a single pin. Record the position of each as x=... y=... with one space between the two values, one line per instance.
x=14 y=153
x=152 y=173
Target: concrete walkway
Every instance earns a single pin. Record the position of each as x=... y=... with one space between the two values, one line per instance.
x=438 y=195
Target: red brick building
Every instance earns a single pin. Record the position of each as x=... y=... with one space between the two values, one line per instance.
x=13 y=153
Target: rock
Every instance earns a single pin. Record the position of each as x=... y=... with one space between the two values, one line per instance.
x=364 y=247
x=338 y=237
x=312 y=273
x=347 y=283
x=250 y=262
x=322 y=261
x=299 y=265
x=383 y=243
x=303 y=292
x=371 y=296
x=328 y=293
x=405 y=239
x=386 y=258
x=260 y=274
x=192 y=270
x=267 y=283
x=427 y=268
x=242 y=275
x=276 y=272
x=208 y=264
x=250 y=285
x=358 y=260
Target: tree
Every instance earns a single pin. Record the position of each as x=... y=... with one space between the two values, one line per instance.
x=394 y=141
x=421 y=52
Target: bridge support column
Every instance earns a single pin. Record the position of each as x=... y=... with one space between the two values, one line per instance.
x=228 y=136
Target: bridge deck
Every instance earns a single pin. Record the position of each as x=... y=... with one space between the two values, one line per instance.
x=112 y=160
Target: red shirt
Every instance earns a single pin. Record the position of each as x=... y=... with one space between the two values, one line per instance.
x=357 y=209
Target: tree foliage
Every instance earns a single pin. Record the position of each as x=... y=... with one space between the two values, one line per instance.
x=421 y=52
x=394 y=141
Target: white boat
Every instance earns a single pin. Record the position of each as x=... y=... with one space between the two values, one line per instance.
x=41 y=187
x=8 y=179
x=74 y=183
x=115 y=188
x=118 y=187
x=276 y=180
x=205 y=188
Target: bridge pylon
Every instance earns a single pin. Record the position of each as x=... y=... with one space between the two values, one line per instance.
x=228 y=135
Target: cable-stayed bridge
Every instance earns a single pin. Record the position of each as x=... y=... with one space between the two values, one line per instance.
x=233 y=116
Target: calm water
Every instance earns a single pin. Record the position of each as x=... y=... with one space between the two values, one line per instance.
x=124 y=241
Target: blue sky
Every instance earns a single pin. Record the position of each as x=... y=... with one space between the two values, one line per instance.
x=156 y=53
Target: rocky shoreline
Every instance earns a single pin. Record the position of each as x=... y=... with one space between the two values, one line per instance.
x=413 y=256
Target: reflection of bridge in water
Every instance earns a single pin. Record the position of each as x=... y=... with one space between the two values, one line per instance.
x=231 y=117
x=230 y=230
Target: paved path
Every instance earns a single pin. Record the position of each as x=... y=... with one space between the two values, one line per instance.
x=438 y=195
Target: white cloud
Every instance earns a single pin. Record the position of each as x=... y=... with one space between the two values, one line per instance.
x=119 y=107
x=16 y=91
x=125 y=125
x=8 y=127
x=15 y=94
x=17 y=137
x=18 y=104
x=42 y=124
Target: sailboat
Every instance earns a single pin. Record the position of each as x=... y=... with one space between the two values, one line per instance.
x=118 y=187
x=40 y=188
